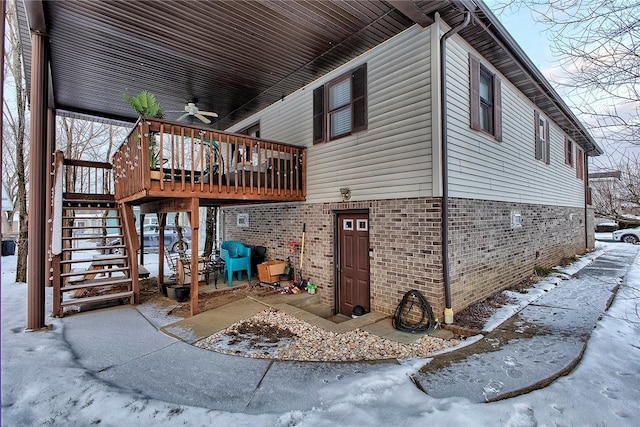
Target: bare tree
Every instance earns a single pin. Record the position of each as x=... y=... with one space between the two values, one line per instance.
x=617 y=196
x=15 y=154
x=210 y=231
x=86 y=140
x=596 y=44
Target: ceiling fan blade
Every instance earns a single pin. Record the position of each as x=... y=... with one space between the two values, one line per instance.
x=209 y=113
x=203 y=118
x=182 y=117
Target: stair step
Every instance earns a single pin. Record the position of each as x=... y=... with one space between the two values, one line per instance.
x=99 y=248
x=93 y=248
x=99 y=298
x=96 y=259
x=89 y=202
x=80 y=237
x=87 y=227
x=96 y=272
x=88 y=198
x=94 y=218
x=95 y=283
x=92 y=206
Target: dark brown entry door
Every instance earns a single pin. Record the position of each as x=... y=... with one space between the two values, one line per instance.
x=353 y=268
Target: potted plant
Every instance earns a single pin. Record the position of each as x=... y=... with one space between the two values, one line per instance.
x=146 y=105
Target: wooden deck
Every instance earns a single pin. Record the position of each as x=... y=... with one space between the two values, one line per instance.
x=169 y=160
x=165 y=167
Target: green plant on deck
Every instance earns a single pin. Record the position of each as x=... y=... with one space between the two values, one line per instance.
x=146 y=105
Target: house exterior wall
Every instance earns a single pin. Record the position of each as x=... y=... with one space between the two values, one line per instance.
x=481 y=168
x=404 y=235
x=392 y=158
x=487 y=254
x=390 y=173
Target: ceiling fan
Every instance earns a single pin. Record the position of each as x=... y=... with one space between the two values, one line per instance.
x=192 y=110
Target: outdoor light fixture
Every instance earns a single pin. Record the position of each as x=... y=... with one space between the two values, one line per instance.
x=346 y=194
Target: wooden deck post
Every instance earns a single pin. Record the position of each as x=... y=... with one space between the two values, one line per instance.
x=194 y=222
x=129 y=231
x=37 y=257
x=162 y=222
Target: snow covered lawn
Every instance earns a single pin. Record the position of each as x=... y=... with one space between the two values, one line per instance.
x=42 y=384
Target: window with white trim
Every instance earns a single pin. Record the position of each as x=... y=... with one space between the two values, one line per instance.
x=541 y=137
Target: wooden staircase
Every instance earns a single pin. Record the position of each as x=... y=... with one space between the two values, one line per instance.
x=93 y=259
x=87 y=280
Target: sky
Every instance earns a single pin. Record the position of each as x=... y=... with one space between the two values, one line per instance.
x=535 y=41
x=44 y=384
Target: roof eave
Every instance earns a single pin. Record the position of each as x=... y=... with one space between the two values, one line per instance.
x=587 y=141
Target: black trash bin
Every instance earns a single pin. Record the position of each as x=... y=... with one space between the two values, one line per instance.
x=257 y=257
x=8 y=247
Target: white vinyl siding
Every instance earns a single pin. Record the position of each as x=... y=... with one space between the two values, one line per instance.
x=481 y=168
x=392 y=158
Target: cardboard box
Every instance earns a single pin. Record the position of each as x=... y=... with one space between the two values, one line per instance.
x=270 y=271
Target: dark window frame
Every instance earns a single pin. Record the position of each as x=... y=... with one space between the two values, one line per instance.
x=252 y=130
x=493 y=126
x=580 y=163
x=568 y=151
x=357 y=104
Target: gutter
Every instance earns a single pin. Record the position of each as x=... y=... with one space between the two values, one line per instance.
x=585 y=161
x=448 y=311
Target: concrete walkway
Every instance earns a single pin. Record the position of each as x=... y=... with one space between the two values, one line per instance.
x=543 y=341
x=123 y=348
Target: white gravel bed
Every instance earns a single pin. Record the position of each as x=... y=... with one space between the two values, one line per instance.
x=273 y=334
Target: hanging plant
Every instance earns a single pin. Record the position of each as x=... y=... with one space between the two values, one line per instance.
x=146 y=105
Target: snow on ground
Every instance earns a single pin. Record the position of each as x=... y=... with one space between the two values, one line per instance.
x=42 y=384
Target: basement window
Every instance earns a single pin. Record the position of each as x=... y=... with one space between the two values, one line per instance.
x=516 y=219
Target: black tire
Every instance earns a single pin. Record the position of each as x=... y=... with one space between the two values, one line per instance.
x=176 y=246
x=629 y=238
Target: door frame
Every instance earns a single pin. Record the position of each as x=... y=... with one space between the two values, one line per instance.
x=336 y=252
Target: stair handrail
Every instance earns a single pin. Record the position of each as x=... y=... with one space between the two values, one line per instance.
x=96 y=176
x=56 y=230
x=58 y=194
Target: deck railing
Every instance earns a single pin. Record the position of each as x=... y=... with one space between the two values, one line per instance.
x=85 y=177
x=179 y=159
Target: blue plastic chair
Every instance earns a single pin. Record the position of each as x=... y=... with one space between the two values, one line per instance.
x=237 y=257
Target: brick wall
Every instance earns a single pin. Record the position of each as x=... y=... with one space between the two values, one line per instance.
x=486 y=253
x=591 y=226
x=404 y=236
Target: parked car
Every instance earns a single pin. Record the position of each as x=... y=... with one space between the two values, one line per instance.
x=627 y=235
x=152 y=238
x=607 y=227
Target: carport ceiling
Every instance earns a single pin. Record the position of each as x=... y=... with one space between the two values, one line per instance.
x=231 y=57
x=237 y=57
